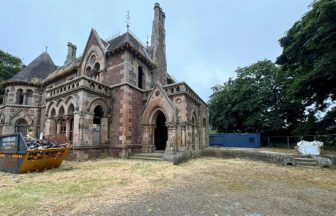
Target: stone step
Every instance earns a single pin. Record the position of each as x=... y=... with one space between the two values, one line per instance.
x=154 y=155
x=138 y=157
x=304 y=159
x=300 y=156
x=305 y=163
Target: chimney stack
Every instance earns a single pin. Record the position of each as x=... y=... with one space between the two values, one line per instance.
x=71 y=52
x=158 y=45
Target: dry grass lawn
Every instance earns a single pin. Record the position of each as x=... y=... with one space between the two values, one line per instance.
x=125 y=187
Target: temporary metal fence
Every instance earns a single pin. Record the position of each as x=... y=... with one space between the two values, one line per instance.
x=329 y=140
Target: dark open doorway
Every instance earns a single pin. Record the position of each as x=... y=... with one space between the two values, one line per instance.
x=21 y=127
x=160 y=134
x=98 y=114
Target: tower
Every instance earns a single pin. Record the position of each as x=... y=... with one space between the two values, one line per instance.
x=158 y=45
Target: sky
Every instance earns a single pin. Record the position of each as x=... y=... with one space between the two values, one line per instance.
x=206 y=41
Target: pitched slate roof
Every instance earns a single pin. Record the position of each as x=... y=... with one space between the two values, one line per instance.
x=127 y=38
x=37 y=70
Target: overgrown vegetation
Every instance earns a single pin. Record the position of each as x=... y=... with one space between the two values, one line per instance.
x=9 y=66
x=282 y=98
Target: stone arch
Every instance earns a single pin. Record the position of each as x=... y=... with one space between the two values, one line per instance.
x=70 y=109
x=52 y=112
x=159 y=99
x=96 y=102
x=154 y=114
x=194 y=130
x=60 y=102
x=71 y=100
x=49 y=106
x=21 y=126
x=22 y=115
x=61 y=111
x=193 y=117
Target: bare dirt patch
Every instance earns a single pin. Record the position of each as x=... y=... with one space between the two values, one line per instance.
x=201 y=186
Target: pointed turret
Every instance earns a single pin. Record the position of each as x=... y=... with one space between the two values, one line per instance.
x=37 y=70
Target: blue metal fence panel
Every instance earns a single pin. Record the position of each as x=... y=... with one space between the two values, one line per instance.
x=248 y=140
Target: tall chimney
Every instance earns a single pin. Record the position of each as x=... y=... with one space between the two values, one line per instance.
x=158 y=45
x=71 y=52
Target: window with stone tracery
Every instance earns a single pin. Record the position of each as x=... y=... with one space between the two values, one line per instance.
x=92 y=67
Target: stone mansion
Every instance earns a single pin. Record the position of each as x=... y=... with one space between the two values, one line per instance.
x=116 y=99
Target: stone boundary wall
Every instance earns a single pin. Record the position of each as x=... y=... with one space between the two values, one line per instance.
x=272 y=157
x=267 y=156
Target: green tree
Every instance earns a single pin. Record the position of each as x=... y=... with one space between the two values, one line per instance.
x=254 y=101
x=309 y=55
x=9 y=66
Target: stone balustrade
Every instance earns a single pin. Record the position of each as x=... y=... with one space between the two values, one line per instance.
x=81 y=82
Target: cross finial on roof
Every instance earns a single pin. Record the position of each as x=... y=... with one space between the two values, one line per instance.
x=128 y=21
x=46 y=48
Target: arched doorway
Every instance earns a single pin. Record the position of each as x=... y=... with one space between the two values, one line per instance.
x=21 y=127
x=160 y=133
x=98 y=113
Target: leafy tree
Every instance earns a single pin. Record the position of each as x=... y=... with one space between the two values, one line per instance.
x=307 y=127
x=309 y=55
x=9 y=66
x=254 y=101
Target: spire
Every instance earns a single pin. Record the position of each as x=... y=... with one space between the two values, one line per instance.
x=128 y=21
x=147 y=41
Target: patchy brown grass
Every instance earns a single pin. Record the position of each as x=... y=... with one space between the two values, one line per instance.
x=80 y=185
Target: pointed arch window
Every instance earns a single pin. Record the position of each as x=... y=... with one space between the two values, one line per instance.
x=19 y=96
x=29 y=97
x=140 y=77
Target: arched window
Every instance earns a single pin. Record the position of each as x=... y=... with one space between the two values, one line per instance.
x=96 y=71
x=21 y=127
x=52 y=113
x=88 y=71
x=61 y=112
x=98 y=114
x=29 y=97
x=19 y=96
x=140 y=77
x=97 y=67
x=4 y=101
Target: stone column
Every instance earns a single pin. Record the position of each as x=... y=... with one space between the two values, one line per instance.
x=67 y=127
x=104 y=130
x=171 y=142
x=80 y=129
x=58 y=128
x=76 y=129
x=183 y=142
x=145 y=138
x=151 y=129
